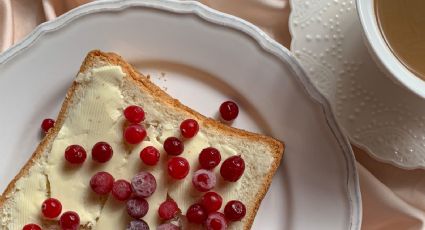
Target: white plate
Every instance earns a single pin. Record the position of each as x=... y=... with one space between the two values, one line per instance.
x=207 y=57
x=375 y=112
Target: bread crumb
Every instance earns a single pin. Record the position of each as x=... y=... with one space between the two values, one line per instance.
x=162 y=77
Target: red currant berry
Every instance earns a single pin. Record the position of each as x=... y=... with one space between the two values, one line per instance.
x=134 y=134
x=168 y=209
x=216 y=221
x=196 y=214
x=149 y=155
x=102 y=183
x=75 y=154
x=137 y=225
x=229 y=110
x=47 y=124
x=189 y=128
x=69 y=221
x=102 y=152
x=178 y=167
x=51 y=208
x=173 y=146
x=134 y=114
x=209 y=158
x=31 y=227
x=232 y=168
x=121 y=190
x=211 y=201
x=234 y=210
x=143 y=184
x=203 y=180
x=168 y=226
x=137 y=207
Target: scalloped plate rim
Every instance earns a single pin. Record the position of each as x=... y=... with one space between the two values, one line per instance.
x=214 y=16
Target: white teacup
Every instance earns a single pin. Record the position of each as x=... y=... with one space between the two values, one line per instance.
x=382 y=53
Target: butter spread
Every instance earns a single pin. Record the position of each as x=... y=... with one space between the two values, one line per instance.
x=96 y=115
x=30 y=192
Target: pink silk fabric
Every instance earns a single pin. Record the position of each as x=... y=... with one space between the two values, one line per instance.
x=393 y=198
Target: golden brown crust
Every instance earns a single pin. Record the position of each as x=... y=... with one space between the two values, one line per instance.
x=95 y=57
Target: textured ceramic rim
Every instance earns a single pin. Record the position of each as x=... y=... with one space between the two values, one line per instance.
x=216 y=17
x=382 y=53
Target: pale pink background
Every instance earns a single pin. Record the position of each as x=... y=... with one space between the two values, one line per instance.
x=392 y=198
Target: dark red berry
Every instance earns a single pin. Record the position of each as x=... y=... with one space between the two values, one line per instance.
x=149 y=155
x=196 y=214
x=143 y=184
x=134 y=114
x=232 y=168
x=75 y=154
x=137 y=207
x=209 y=158
x=203 y=180
x=168 y=209
x=173 y=146
x=134 y=134
x=189 y=128
x=69 y=221
x=216 y=221
x=102 y=183
x=102 y=152
x=137 y=225
x=121 y=190
x=51 y=208
x=31 y=227
x=178 y=167
x=47 y=124
x=229 y=110
x=211 y=201
x=168 y=226
x=234 y=210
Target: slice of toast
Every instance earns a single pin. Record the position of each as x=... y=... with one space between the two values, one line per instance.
x=92 y=112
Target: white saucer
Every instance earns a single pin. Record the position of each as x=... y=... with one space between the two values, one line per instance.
x=377 y=114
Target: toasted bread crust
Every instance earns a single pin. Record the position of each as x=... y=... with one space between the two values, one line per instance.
x=97 y=58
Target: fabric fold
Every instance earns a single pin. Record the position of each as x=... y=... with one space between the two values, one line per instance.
x=383 y=209
x=6 y=25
